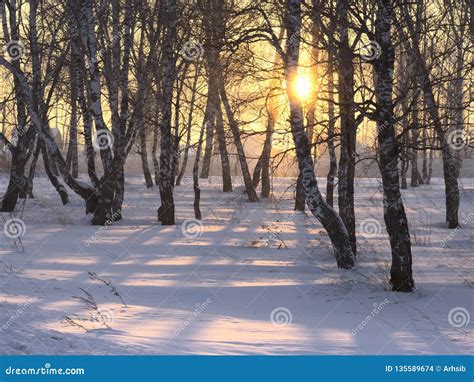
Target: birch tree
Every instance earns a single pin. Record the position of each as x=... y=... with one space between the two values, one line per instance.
x=317 y=205
x=348 y=127
x=449 y=166
x=166 y=212
x=394 y=213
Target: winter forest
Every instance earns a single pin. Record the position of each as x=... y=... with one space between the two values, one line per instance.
x=236 y=177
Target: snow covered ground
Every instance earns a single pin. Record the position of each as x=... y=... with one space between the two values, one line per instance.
x=254 y=279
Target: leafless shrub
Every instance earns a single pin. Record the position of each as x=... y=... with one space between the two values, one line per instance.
x=95 y=277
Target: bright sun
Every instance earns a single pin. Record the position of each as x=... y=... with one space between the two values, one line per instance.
x=302 y=87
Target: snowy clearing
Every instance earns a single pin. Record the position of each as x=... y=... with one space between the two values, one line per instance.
x=256 y=278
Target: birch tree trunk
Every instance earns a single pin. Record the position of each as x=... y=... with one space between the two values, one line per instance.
x=449 y=165
x=300 y=201
x=262 y=168
x=105 y=190
x=177 y=108
x=249 y=188
x=265 y=157
x=18 y=183
x=331 y=130
x=403 y=75
x=224 y=155
x=317 y=205
x=60 y=189
x=394 y=213
x=144 y=158
x=142 y=127
x=156 y=130
x=196 y=188
x=424 y=150
x=347 y=125
x=415 y=178
x=39 y=105
x=414 y=141
x=214 y=29
x=206 y=160
x=86 y=192
x=404 y=160
x=208 y=113
x=72 y=154
x=78 y=81
x=154 y=154
x=166 y=212
x=189 y=125
x=457 y=100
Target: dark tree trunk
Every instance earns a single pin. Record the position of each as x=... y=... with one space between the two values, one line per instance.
x=78 y=81
x=261 y=172
x=404 y=157
x=156 y=129
x=185 y=157
x=206 y=160
x=414 y=142
x=331 y=129
x=430 y=164
x=262 y=168
x=257 y=172
x=317 y=205
x=119 y=179
x=214 y=29
x=166 y=212
x=348 y=126
x=18 y=182
x=404 y=164
x=104 y=189
x=31 y=172
x=86 y=192
x=457 y=101
x=424 y=138
x=196 y=188
x=394 y=212
x=72 y=155
x=449 y=166
x=189 y=126
x=300 y=199
x=144 y=158
x=224 y=155
x=177 y=136
x=154 y=155
x=265 y=157
x=249 y=188
x=60 y=189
